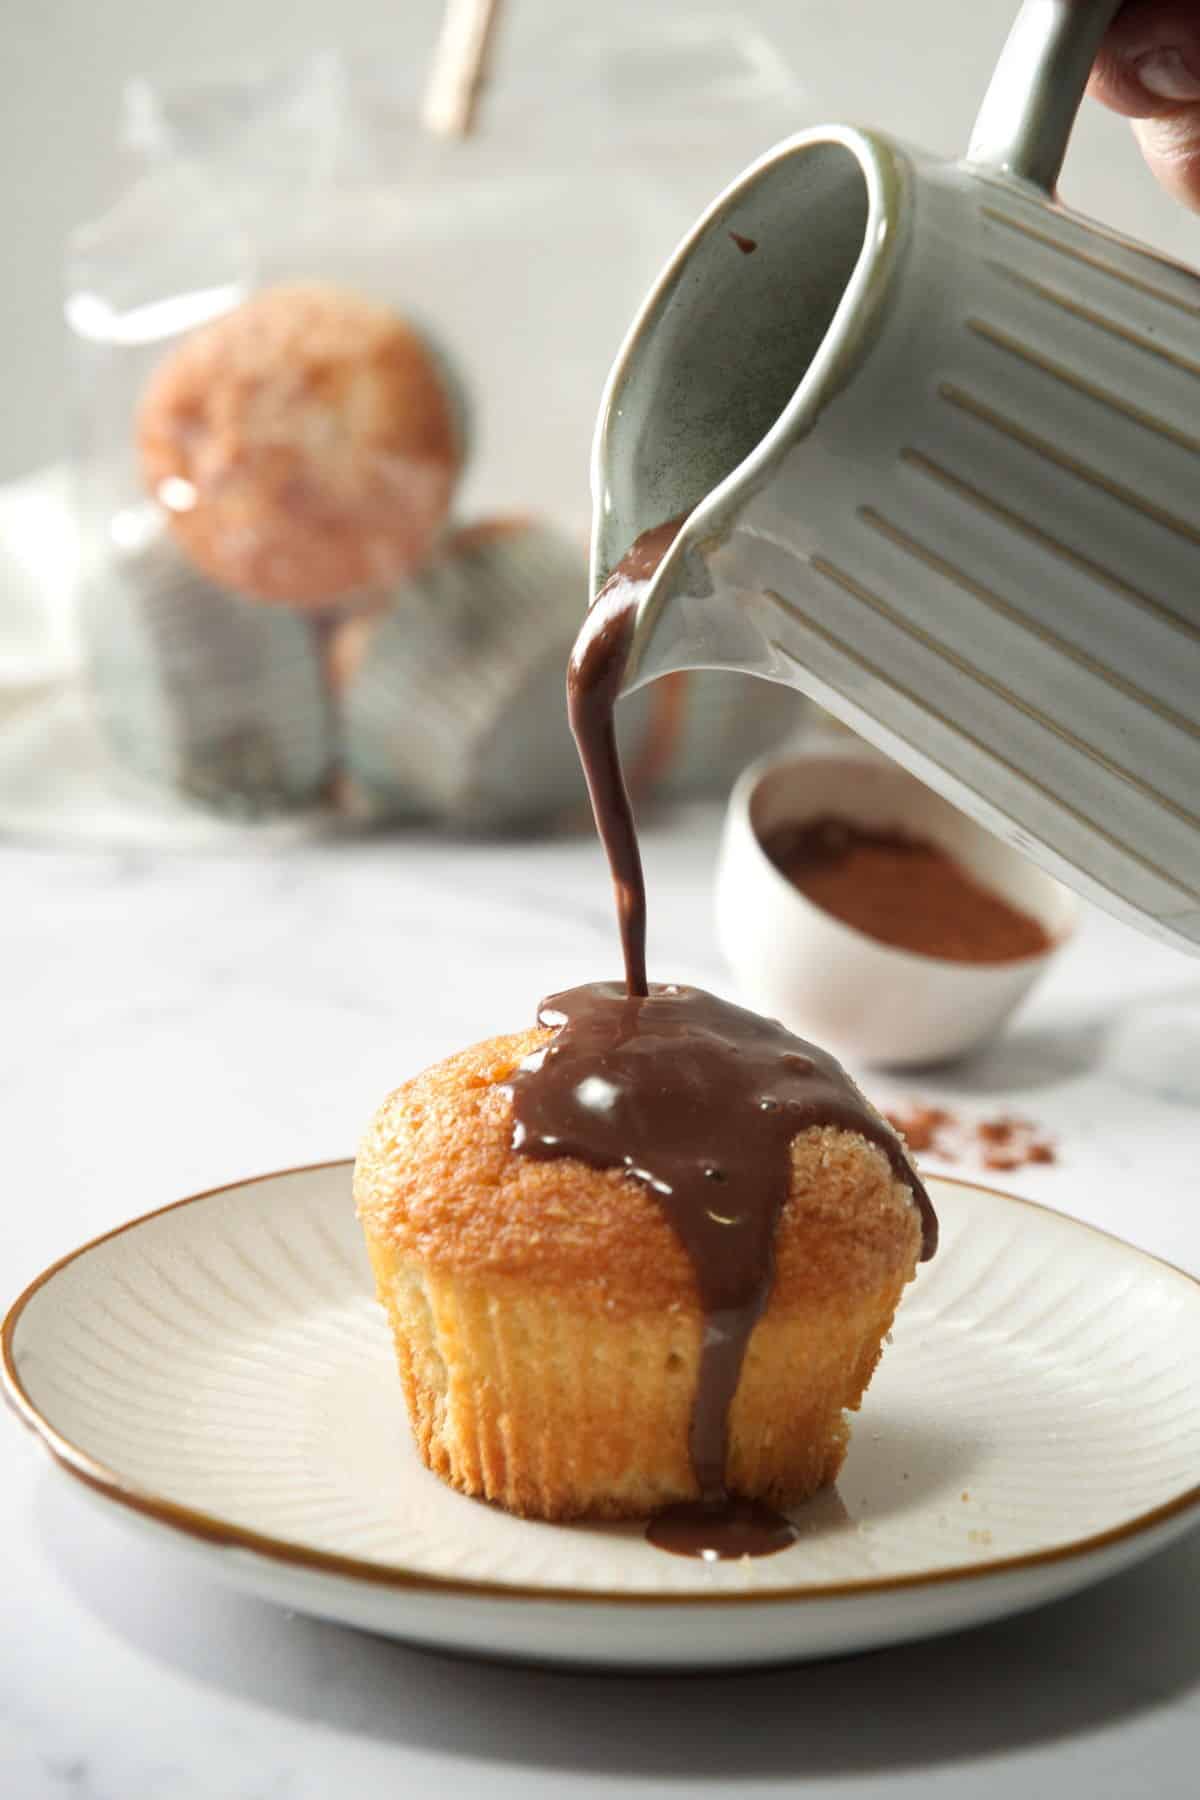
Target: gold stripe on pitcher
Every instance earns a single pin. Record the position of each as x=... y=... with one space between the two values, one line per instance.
x=1075 y=559
x=1064 y=302
x=1116 y=490
x=939 y=648
x=1137 y=282
x=1001 y=340
x=997 y=603
x=848 y=585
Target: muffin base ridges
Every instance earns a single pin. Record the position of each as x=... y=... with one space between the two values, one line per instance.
x=556 y=1411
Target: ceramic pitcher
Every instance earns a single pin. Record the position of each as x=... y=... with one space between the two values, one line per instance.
x=939 y=440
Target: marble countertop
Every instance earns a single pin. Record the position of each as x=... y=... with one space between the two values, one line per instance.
x=175 y=1022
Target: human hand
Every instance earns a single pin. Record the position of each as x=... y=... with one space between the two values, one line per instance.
x=1148 y=69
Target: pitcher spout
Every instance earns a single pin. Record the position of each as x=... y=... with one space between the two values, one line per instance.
x=744 y=341
x=938 y=470
x=710 y=602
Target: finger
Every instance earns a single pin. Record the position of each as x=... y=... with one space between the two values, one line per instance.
x=1171 y=146
x=1149 y=69
x=1149 y=63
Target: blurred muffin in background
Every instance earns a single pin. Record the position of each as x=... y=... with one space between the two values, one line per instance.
x=453 y=701
x=200 y=691
x=304 y=446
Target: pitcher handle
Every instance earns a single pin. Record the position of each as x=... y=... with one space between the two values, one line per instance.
x=1032 y=99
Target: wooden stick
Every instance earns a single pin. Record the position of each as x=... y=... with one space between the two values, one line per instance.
x=460 y=66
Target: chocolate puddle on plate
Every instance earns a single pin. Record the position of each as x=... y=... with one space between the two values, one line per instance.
x=695 y=1098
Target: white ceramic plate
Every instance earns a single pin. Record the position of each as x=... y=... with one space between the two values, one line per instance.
x=221 y=1372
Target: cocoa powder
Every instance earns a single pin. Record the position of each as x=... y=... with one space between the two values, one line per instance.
x=902 y=891
x=999 y=1144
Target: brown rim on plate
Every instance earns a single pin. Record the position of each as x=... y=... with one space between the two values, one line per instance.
x=214 y=1530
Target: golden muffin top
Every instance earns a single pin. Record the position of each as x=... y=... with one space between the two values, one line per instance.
x=437 y=1179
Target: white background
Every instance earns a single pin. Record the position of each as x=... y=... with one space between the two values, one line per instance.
x=913 y=67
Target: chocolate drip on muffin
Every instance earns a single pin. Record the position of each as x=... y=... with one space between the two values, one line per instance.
x=697 y=1100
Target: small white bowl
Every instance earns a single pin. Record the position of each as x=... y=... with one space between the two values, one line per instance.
x=829 y=982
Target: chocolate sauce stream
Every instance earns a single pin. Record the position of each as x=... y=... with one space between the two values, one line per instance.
x=594 y=677
x=696 y=1099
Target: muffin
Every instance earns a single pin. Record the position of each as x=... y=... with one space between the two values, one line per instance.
x=547 y=1316
x=452 y=700
x=305 y=446
x=199 y=690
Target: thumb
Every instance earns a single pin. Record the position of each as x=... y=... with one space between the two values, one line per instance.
x=1149 y=70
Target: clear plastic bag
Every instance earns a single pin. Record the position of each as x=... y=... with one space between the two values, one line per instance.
x=515 y=259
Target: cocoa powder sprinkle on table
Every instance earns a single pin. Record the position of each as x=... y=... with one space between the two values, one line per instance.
x=1000 y=1144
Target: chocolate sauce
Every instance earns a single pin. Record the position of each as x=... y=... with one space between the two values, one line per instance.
x=746 y=245
x=696 y=1099
x=699 y=1100
x=717 y=1533
x=594 y=676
